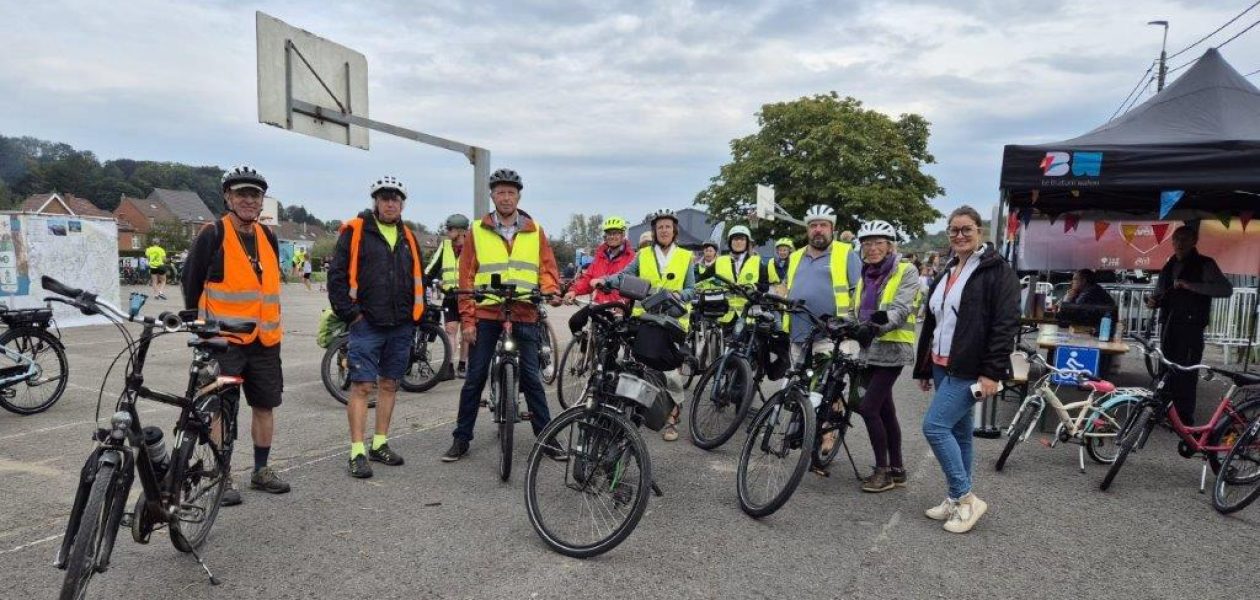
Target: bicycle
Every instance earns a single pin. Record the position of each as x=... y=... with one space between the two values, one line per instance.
x=423 y=368
x=181 y=488
x=1238 y=481
x=576 y=365
x=1212 y=440
x=797 y=418
x=1091 y=424
x=725 y=393
x=505 y=366
x=590 y=504
x=547 y=352
x=39 y=361
x=706 y=339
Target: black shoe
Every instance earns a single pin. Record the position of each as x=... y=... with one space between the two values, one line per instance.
x=457 y=451
x=555 y=454
x=359 y=467
x=265 y=479
x=461 y=370
x=385 y=455
x=447 y=373
x=231 y=496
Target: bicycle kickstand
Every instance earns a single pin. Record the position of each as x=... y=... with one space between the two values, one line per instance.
x=656 y=490
x=1203 y=478
x=213 y=580
x=1080 y=455
x=856 y=474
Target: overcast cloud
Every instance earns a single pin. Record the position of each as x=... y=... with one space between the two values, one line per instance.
x=603 y=107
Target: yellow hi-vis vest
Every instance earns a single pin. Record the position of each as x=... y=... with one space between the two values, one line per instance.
x=520 y=267
x=749 y=276
x=679 y=262
x=904 y=333
x=450 y=265
x=839 y=278
x=244 y=296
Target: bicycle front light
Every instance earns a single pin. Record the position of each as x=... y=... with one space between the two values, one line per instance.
x=119 y=425
x=509 y=345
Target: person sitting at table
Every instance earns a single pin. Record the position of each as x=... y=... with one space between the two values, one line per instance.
x=1085 y=291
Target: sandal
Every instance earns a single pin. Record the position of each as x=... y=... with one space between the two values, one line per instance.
x=669 y=433
x=828 y=442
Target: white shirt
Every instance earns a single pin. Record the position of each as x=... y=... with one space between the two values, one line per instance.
x=945 y=306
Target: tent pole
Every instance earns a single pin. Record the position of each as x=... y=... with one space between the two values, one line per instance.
x=1255 y=325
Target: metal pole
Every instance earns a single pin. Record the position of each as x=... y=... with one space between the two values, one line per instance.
x=1163 y=56
x=481 y=178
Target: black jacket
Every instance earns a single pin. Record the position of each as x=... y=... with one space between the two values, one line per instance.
x=386 y=281
x=988 y=322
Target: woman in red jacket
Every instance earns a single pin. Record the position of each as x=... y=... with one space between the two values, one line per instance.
x=610 y=258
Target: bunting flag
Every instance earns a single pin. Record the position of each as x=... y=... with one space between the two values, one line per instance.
x=1076 y=193
x=1161 y=231
x=1012 y=224
x=1070 y=222
x=1053 y=217
x=1025 y=215
x=1167 y=200
x=1224 y=218
x=1245 y=217
x=1035 y=195
x=1100 y=227
x=1127 y=232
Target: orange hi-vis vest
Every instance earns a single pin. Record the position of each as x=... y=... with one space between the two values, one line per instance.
x=245 y=295
x=355 y=226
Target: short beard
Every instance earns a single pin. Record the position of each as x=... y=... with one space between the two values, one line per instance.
x=819 y=242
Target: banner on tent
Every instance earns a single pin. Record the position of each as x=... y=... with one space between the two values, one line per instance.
x=1147 y=245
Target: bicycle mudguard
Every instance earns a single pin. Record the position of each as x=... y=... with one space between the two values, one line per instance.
x=1118 y=398
x=87 y=475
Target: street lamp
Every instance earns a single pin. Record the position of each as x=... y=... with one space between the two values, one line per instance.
x=1163 y=55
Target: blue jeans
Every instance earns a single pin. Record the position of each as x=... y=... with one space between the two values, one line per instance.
x=528 y=342
x=947 y=425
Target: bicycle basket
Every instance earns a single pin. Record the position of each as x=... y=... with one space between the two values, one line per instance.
x=636 y=389
x=656 y=343
x=713 y=304
x=25 y=317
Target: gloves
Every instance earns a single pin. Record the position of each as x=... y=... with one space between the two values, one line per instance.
x=866 y=333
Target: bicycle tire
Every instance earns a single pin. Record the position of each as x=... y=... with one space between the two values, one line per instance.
x=507 y=418
x=573 y=374
x=34 y=341
x=1248 y=409
x=82 y=562
x=1118 y=411
x=422 y=374
x=192 y=452
x=611 y=448
x=799 y=411
x=547 y=361
x=1246 y=450
x=334 y=370
x=1015 y=433
x=733 y=400
x=1133 y=432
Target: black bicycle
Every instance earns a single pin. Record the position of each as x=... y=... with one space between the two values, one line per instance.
x=182 y=486
x=430 y=353
x=589 y=504
x=706 y=337
x=36 y=369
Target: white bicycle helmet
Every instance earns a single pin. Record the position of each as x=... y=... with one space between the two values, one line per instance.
x=664 y=213
x=820 y=212
x=877 y=229
x=739 y=230
x=389 y=183
x=243 y=176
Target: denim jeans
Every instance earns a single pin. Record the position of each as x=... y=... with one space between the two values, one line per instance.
x=947 y=425
x=528 y=342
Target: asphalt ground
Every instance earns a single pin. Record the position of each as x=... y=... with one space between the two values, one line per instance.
x=434 y=530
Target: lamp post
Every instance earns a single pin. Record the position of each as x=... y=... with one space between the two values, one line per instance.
x=1163 y=55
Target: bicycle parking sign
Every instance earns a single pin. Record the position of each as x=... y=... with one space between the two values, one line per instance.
x=1075 y=357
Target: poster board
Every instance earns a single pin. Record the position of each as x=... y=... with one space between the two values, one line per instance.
x=1135 y=244
x=81 y=252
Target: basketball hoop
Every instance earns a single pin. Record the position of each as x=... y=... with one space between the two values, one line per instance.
x=753 y=218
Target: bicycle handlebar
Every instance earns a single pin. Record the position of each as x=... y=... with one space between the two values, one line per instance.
x=90 y=304
x=1149 y=349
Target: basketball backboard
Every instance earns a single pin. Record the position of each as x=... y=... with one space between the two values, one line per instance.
x=295 y=65
x=270 y=214
x=765 y=202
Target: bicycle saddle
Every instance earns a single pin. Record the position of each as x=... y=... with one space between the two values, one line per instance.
x=1100 y=386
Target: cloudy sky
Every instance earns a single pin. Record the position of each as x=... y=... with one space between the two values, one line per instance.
x=602 y=106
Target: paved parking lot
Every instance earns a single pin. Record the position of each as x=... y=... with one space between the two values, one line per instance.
x=434 y=530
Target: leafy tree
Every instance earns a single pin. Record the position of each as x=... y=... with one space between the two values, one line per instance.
x=583 y=231
x=829 y=150
x=170 y=235
x=564 y=250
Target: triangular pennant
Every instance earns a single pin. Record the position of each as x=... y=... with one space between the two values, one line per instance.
x=1100 y=227
x=1012 y=224
x=1224 y=218
x=1076 y=193
x=1035 y=194
x=1161 y=231
x=1128 y=231
x=1167 y=200
x=1025 y=216
x=1053 y=217
x=1070 y=222
x=1245 y=217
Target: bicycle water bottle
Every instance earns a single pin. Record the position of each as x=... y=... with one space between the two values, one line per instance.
x=1104 y=328
x=156 y=446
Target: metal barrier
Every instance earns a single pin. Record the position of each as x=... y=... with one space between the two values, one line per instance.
x=1231 y=323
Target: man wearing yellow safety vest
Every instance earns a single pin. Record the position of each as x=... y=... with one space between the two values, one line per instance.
x=666 y=266
x=822 y=274
x=443 y=273
x=156 y=256
x=743 y=267
x=232 y=274
x=890 y=285
x=376 y=285
x=510 y=243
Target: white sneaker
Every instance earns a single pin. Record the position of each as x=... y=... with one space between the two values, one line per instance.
x=941 y=511
x=966 y=512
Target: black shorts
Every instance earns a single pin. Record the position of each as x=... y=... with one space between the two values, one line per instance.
x=450 y=308
x=260 y=366
x=306 y=275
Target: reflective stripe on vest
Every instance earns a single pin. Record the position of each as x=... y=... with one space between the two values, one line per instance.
x=839 y=278
x=679 y=262
x=355 y=226
x=241 y=298
x=905 y=333
x=749 y=276
x=518 y=267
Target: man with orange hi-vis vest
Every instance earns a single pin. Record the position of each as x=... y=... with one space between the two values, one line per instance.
x=376 y=285
x=232 y=275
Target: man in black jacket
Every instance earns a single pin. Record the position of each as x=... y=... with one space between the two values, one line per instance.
x=1183 y=295
x=375 y=285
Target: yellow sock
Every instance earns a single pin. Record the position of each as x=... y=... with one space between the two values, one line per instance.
x=356 y=449
x=379 y=440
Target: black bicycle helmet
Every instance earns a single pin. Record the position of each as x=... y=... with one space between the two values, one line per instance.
x=457 y=221
x=243 y=174
x=507 y=176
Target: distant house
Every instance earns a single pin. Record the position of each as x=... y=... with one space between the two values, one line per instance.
x=57 y=203
x=299 y=234
x=141 y=214
x=187 y=207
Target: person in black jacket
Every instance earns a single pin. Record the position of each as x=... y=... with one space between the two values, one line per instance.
x=1085 y=291
x=381 y=296
x=967 y=338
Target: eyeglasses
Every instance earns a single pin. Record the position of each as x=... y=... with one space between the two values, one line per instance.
x=873 y=243
x=389 y=196
x=962 y=231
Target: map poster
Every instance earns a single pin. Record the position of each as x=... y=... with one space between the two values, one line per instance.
x=81 y=252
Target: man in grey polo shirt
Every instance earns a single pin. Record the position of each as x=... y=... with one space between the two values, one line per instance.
x=810 y=272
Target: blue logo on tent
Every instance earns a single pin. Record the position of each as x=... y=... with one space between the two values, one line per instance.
x=1079 y=164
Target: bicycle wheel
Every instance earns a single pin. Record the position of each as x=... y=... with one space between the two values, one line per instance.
x=1129 y=437
x=1104 y=426
x=575 y=371
x=775 y=454
x=335 y=371
x=430 y=351
x=720 y=402
x=1018 y=431
x=507 y=417
x=1229 y=428
x=548 y=354
x=37 y=394
x=1238 y=481
x=199 y=477
x=86 y=552
x=589 y=504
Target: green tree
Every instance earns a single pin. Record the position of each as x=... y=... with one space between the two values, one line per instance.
x=829 y=150
x=583 y=231
x=170 y=235
x=564 y=251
